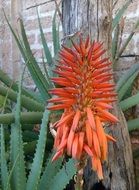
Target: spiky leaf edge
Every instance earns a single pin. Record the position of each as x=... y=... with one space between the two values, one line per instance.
x=34 y=176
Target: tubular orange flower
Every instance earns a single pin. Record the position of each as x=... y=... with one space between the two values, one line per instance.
x=85 y=93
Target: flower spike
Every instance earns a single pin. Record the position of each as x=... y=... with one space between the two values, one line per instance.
x=85 y=92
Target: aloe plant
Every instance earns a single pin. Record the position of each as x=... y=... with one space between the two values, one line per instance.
x=18 y=126
x=18 y=171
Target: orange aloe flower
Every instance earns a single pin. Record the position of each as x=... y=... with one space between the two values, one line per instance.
x=85 y=92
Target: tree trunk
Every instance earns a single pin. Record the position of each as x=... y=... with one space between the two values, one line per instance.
x=95 y=17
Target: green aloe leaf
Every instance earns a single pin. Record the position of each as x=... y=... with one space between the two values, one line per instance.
x=45 y=46
x=19 y=174
x=25 y=118
x=125 y=77
x=13 y=85
x=3 y=162
x=11 y=172
x=129 y=102
x=120 y=13
x=63 y=177
x=115 y=42
x=133 y=124
x=47 y=53
x=35 y=71
x=36 y=168
x=126 y=86
x=53 y=168
x=30 y=60
x=27 y=102
x=55 y=33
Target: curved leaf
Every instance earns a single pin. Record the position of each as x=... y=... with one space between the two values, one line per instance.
x=30 y=60
x=13 y=85
x=133 y=124
x=127 y=85
x=126 y=76
x=129 y=102
x=19 y=174
x=27 y=102
x=25 y=118
x=3 y=162
x=34 y=176
x=50 y=171
x=63 y=177
x=55 y=34
x=36 y=73
x=120 y=13
x=48 y=55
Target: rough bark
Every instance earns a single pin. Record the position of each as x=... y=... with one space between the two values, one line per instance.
x=94 y=17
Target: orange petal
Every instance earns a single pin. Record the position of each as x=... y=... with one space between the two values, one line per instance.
x=90 y=117
x=101 y=76
x=103 y=85
x=61 y=100
x=109 y=100
x=103 y=65
x=79 y=60
x=98 y=73
x=105 y=79
x=63 y=67
x=96 y=144
x=103 y=95
x=89 y=136
x=57 y=155
x=75 y=146
x=98 y=55
x=65 y=132
x=99 y=170
x=102 y=138
x=58 y=107
x=103 y=105
x=58 y=137
x=65 y=119
x=62 y=81
x=60 y=92
x=67 y=55
x=76 y=47
x=76 y=120
x=110 y=138
x=88 y=150
x=71 y=90
x=68 y=49
x=97 y=46
x=90 y=52
x=57 y=142
x=94 y=162
x=70 y=141
x=80 y=145
x=104 y=149
x=62 y=144
x=108 y=115
x=97 y=63
x=87 y=41
x=96 y=166
x=82 y=47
